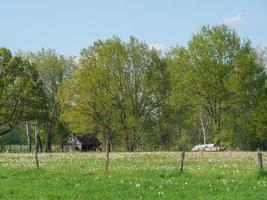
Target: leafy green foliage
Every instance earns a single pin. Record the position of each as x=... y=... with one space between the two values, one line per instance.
x=210 y=91
x=119 y=86
x=21 y=94
x=258 y=122
x=217 y=75
x=52 y=69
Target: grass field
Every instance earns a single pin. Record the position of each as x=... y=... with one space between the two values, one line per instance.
x=224 y=175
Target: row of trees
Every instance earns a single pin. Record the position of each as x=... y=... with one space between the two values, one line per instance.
x=28 y=95
x=213 y=90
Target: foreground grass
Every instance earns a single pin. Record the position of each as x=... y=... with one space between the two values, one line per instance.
x=226 y=175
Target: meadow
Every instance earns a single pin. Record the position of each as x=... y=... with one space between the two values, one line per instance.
x=221 y=175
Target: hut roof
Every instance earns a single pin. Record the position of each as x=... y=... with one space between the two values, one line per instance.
x=88 y=139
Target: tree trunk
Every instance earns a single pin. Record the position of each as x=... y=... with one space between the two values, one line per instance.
x=29 y=135
x=36 y=131
x=259 y=160
x=107 y=154
x=182 y=161
x=62 y=147
x=48 y=141
x=40 y=146
x=130 y=142
x=217 y=128
x=204 y=126
x=126 y=141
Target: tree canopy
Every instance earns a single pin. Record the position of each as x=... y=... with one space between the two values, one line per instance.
x=21 y=94
x=133 y=97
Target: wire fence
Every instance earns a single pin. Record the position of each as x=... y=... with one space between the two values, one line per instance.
x=24 y=148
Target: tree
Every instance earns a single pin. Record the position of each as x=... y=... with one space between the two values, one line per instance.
x=143 y=89
x=118 y=90
x=8 y=106
x=20 y=90
x=88 y=98
x=53 y=69
x=216 y=74
x=262 y=56
x=257 y=125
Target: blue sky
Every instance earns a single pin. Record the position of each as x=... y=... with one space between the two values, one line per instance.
x=70 y=25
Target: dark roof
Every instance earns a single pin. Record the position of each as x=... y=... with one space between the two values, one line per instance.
x=88 y=139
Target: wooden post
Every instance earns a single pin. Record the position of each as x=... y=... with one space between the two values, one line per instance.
x=107 y=155
x=36 y=145
x=182 y=161
x=108 y=142
x=259 y=160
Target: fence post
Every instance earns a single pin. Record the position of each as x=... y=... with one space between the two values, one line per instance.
x=259 y=159
x=182 y=161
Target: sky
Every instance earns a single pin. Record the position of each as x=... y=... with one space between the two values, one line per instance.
x=70 y=25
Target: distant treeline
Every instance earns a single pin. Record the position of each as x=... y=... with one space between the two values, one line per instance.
x=213 y=90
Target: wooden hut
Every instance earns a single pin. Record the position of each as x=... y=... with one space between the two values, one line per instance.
x=85 y=142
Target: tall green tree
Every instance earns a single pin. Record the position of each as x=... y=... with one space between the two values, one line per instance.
x=21 y=91
x=118 y=90
x=257 y=124
x=144 y=90
x=215 y=75
x=88 y=98
x=53 y=69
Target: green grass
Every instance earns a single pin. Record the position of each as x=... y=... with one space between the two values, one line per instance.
x=226 y=175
